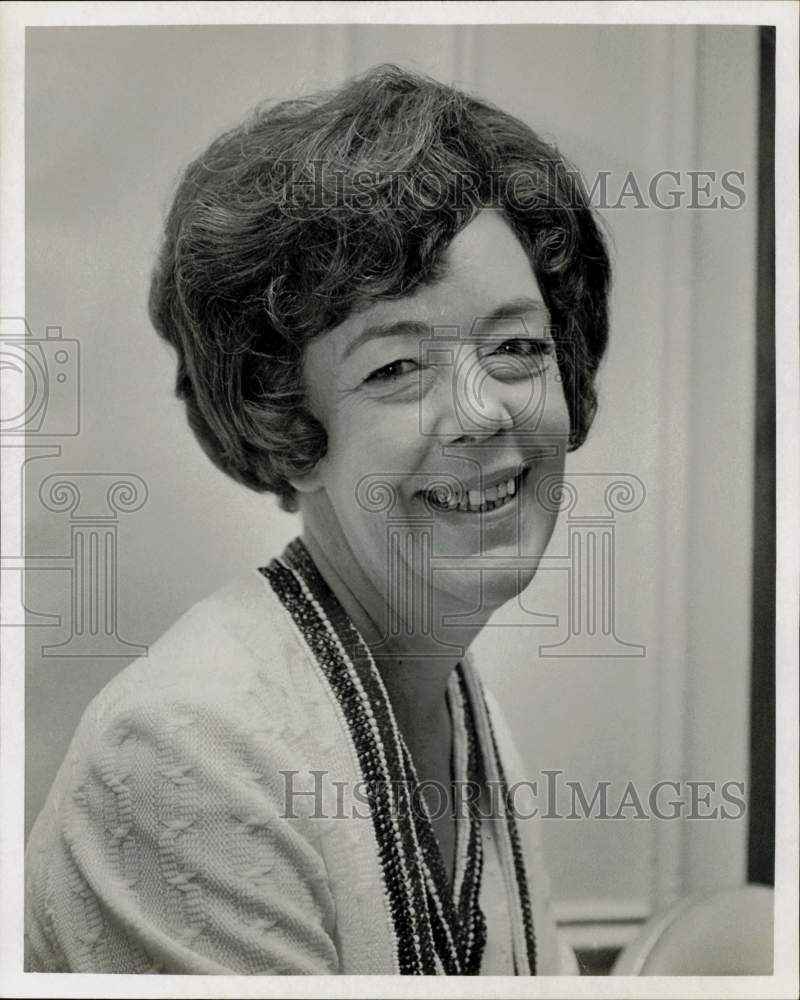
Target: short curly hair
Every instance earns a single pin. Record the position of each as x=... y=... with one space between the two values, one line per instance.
x=316 y=207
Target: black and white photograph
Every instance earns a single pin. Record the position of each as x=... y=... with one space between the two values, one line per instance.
x=400 y=499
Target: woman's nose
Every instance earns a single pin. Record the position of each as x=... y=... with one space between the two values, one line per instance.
x=481 y=404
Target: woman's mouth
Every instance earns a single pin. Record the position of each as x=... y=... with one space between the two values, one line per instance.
x=476 y=501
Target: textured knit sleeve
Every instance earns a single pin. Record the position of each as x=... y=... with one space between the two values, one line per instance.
x=164 y=847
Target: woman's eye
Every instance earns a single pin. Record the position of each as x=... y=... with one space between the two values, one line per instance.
x=392 y=371
x=525 y=351
x=526 y=347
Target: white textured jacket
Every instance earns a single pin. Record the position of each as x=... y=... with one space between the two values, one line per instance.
x=167 y=843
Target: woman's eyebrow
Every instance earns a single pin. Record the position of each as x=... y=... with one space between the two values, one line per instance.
x=514 y=309
x=394 y=328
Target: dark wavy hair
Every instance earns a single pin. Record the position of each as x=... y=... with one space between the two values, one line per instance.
x=313 y=208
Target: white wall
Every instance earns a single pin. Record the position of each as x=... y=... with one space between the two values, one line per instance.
x=113 y=114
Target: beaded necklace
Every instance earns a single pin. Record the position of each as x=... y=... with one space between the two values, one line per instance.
x=438 y=929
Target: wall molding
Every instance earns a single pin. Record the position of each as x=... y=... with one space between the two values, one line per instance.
x=597 y=923
x=673 y=141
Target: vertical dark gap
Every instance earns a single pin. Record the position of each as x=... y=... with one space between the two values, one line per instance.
x=761 y=828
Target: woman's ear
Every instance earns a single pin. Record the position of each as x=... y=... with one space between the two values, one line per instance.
x=311 y=434
x=308 y=482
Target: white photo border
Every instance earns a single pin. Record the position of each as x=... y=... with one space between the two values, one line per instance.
x=14 y=18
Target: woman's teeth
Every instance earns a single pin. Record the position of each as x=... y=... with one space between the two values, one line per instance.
x=474 y=501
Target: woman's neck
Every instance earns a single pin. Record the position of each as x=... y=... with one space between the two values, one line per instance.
x=415 y=669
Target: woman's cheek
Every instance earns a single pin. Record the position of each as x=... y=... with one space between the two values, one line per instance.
x=555 y=411
x=395 y=438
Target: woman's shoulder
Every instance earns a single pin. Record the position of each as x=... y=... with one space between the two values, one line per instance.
x=180 y=808
x=233 y=652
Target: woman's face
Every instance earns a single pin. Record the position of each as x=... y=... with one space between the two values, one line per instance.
x=449 y=402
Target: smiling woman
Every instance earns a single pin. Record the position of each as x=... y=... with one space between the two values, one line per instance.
x=494 y=418
x=388 y=305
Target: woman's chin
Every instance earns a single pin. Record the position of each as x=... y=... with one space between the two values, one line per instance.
x=482 y=592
